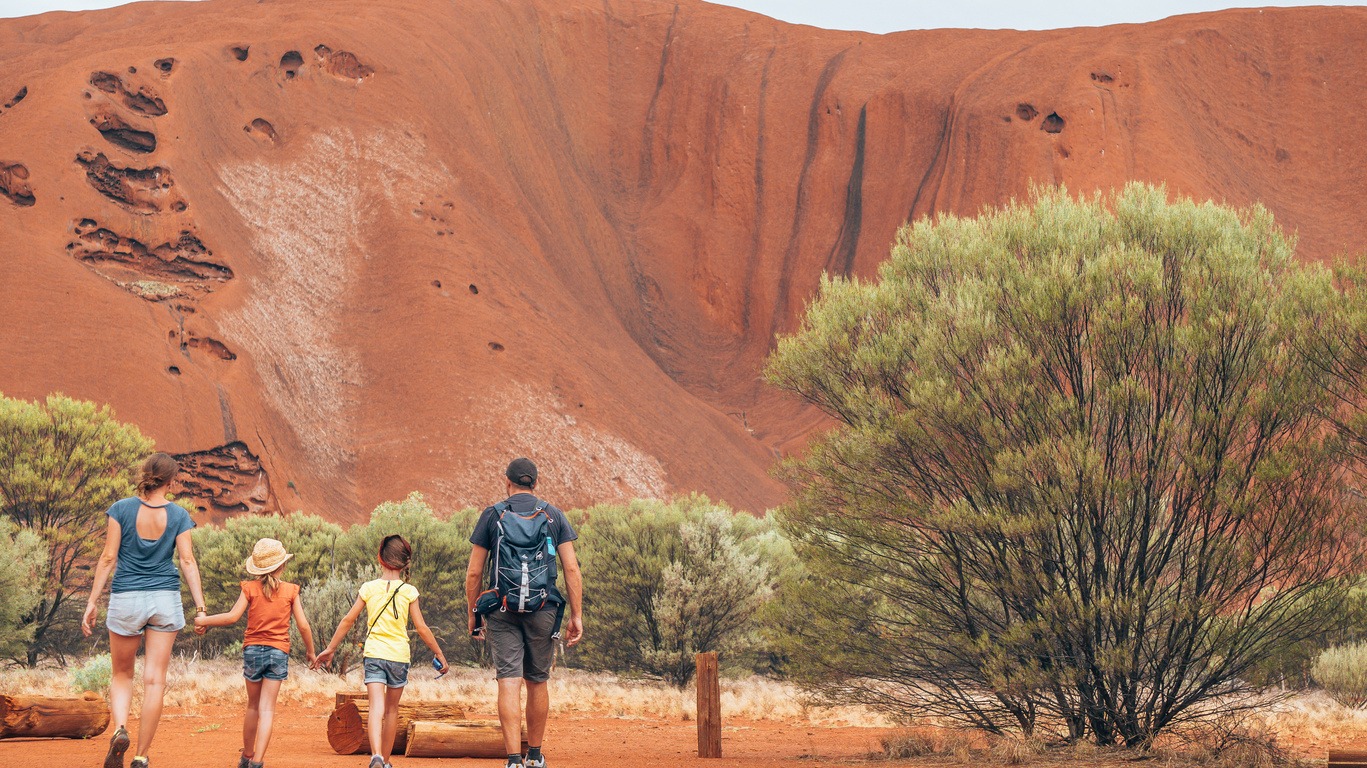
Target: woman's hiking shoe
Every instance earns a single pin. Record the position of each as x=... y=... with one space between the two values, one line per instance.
x=244 y=762
x=118 y=744
x=254 y=764
x=138 y=762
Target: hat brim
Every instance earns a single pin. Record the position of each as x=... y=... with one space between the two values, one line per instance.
x=255 y=571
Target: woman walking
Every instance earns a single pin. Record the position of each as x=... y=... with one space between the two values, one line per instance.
x=144 y=602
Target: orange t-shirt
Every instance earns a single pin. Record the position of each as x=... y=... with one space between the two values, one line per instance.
x=268 y=620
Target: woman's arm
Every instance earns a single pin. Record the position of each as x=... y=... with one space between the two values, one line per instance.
x=343 y=627
x=190 y=570
x=305 y=631
x=225 y=619
x=415 y=613
x=108 y=558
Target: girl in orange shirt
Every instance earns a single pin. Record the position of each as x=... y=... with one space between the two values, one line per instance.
x=269 y=603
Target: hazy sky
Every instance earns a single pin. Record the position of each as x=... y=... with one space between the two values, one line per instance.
x=888 y=15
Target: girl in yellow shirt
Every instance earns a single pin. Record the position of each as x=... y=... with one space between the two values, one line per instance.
x=389 y=602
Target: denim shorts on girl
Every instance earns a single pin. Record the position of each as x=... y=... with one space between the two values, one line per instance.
x=394 y=674
x=264 y=662
x=132 y=612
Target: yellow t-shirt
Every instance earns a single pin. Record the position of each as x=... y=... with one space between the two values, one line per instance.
x=388 y=638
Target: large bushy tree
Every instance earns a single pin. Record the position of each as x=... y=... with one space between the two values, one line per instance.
x=1083 y=478
x=62 y=463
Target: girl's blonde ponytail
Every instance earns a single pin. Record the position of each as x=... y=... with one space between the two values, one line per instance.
x=269 y=583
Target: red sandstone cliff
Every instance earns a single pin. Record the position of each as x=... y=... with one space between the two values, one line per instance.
x=340 y=250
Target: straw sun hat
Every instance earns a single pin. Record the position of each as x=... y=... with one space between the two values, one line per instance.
x=267 y=555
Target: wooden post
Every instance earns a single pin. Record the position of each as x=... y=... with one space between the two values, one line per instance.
x=343 y=698
x=40 y=716
x=709 y=706
x=1344 y=758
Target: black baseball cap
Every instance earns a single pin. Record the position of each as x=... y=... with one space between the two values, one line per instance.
x=522 y=472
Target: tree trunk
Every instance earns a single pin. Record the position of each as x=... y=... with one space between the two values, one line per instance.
x=470 y=738
x=347 y=724
x=35 y=716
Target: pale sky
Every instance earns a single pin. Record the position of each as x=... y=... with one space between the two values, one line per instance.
x=890 y=15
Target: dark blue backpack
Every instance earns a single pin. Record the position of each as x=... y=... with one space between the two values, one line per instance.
x=524 y=559
x=522 y=579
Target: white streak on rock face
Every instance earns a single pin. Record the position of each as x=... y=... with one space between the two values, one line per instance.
x=309 y=218
x=576 y=460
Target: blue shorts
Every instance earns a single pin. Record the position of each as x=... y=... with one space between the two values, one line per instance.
x=394 y=674
x=263 y=661
x=132 y=612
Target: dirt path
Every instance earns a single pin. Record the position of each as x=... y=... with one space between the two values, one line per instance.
x=209 y=737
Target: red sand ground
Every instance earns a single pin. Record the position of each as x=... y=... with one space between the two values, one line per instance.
x=338 y=251
x=211 y=737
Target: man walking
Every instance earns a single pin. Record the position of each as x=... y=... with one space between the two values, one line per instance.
x=522 y=538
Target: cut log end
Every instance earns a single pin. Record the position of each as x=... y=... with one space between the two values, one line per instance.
x=1347 y=758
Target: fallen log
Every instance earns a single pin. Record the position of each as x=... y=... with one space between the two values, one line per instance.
x=65 y=718
x=1345 y=758
x=347 y=723
x=468 y=738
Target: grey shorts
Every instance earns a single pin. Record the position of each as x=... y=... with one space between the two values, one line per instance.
x=264 y=662
x=132 y=612
x=394 y=674
x=521 y=643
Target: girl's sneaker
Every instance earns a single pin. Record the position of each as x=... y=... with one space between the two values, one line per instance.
x=138 y=762
x=376 y=762
x=118 y=744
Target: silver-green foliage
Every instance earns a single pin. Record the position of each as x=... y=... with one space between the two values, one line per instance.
x=92 y=675
x=326 y=601
x=1342 y=671
x=665 y=580
x=21 y=582
x=62 y=463
x=1084 y=479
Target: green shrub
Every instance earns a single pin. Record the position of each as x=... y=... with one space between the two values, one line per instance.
x=21 y=583
x=62 y=463
x=325 y=602
x=93 y=675
x=232 y=650
x=1342 y=671
x=665 y=580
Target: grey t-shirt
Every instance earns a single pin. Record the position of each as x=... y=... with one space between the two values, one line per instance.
x=145 y=564
x=486 y=532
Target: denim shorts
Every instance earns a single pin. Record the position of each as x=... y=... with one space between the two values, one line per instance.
x=132 y=612
x=394 y=674
x=263 y=661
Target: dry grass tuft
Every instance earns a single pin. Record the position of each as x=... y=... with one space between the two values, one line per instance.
x=193 y=682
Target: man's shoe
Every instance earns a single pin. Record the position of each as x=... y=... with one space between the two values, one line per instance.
x=118 y=744
x=535 y=762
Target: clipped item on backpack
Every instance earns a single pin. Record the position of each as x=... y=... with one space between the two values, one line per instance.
x=524 y=560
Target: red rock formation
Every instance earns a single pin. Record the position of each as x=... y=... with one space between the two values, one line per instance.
x=561 y=228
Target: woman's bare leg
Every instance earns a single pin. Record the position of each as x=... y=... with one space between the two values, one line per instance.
x=123 y=655
x=156 y=657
